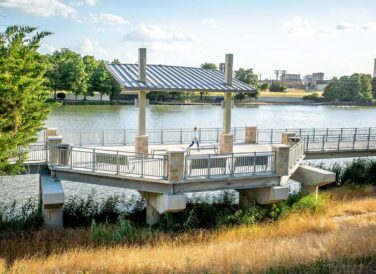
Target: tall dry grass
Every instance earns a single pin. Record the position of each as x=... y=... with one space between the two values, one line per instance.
x=241 y=255
x=345 y=228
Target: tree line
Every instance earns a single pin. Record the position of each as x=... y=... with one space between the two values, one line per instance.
x=358 y=87
x=83 y=75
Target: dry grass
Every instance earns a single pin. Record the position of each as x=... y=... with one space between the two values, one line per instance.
x=346 y=228
x=290 y=93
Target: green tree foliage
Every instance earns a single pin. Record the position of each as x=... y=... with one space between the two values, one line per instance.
x=264 y=86
x=374 y=87
x=356 y=87
x=207 y=66
x=23 y=93
x=247 y=76
x=277 y=87
x=91 y=66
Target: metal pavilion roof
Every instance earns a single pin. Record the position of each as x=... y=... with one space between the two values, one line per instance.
x=175 y=78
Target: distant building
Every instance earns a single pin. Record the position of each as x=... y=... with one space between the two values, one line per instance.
x=321 y=84
x=318 y=76
x=288 y=77
x=308 y=78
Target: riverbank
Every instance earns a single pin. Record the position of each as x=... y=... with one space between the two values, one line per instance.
x=203 y=103
x=339 y=236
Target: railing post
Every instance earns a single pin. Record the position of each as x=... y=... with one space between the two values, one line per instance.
x=117 y=162
x=162 y=136
x=217 y=135
x=307 y=143
x=327 y=133
x=232 y=165
x=341 y=134
x=142 y=164
x=369 y=137
x=314 y=134
x=181 y=136
x=271 y=136
x=71 y=157
x=199 y=135
x=93 y=159
x=323 y=142
x=80 y=138
x=124 y=137
x=254 y=163
x=339 y=142
x=102 y=137
x=209 y=164
x=234 y=134
x=354 y=140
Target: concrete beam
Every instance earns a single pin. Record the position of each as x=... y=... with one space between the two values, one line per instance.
x=311 y=177
x=136 y=183
x=52 y=195
x=164 y=202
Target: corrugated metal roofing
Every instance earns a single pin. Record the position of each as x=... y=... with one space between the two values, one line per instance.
x=174 y=78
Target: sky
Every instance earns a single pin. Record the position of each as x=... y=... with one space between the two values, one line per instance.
x=301 y=37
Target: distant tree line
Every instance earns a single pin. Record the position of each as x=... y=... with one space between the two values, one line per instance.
x=69 y=71
x=358 y=87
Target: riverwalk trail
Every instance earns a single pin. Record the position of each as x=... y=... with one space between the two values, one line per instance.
x=261 y=162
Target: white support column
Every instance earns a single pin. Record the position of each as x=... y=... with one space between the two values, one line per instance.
x=141 y=142
x=227 y=113
x=227 y=139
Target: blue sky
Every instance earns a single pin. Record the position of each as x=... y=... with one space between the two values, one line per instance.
x=335 y=37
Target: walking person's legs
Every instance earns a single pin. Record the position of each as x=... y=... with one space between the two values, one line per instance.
x=198 y=145
x=191 y=144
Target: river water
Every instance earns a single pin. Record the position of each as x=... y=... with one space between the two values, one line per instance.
x=99 y=117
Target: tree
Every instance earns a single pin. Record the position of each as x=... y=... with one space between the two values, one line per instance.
x=79 y=84
x=102 y=81
x=115 y=88
x=23 y=93
x=264 y=86
x=247 y=76
x=374 y=87
x=240 y=96
x=356 y=87
x=211 y=66
x=91 y=66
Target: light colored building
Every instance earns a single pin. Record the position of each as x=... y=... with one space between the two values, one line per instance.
x=317 y=76
x=288 y=77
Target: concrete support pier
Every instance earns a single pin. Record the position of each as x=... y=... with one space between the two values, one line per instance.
x=282 y=153
x=52 y=195
x=286 y=136
x=262 y=196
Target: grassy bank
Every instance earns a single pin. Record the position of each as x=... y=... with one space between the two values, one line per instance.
x=342 y=231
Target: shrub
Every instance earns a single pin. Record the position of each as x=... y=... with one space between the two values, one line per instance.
x=313 y=96
x=60 y=95
x=247 y=217
x=277 y=87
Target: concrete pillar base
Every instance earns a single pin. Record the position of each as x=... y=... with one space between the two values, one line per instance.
x=53 y=217
x=262 y=196
x=226 y=143
x=152 y=215
x=141 y=144
x=52 y=195
x=158 y=203
x=251 y=135
x=52 y=142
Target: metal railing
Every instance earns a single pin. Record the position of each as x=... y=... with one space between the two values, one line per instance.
x=35 y=152
x=227 y=165
x=155 y=136
x=296 y=153
x=109 y=161
x=340 y=142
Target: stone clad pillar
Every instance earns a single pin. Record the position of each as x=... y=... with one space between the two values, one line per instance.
x=251 y=135
x=286 y=136
x=282 y=154
x=53 y=142
x=175 y=165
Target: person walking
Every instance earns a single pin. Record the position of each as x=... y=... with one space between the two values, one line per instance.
x=195 y=138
